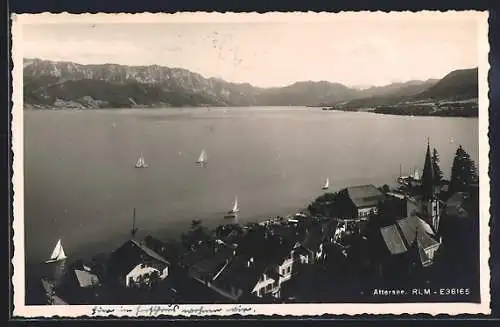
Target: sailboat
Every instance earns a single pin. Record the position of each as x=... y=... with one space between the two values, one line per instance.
x=202 y=160
x=234 y=211
x=416 y=175
x=327 y=184
x=140 y=162
x=403 y=180
x=57 y=254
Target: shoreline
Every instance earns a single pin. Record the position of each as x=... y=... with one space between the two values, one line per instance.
x=320 y=108
x=298 y=219
x=440 y=115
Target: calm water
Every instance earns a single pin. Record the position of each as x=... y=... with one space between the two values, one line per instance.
x=81 y=184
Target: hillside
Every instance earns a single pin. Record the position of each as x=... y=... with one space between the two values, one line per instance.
x=52 y=84
x=62 y=84
x=390 y=95
x=457 y=85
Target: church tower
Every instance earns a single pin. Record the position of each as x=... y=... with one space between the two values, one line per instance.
x=430 y=191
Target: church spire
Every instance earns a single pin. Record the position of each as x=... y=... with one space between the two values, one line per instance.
x=428 y=175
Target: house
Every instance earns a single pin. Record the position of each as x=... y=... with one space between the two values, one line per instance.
x=246 y=276
x=311 y=249
x=135 y=264
x=411 y=231
x=261 y=275
x=328 y=228
x=364 y=200
x=206 y=261
x=86 y=279
x=190 y=291
x=80 y=284
x=257 y=268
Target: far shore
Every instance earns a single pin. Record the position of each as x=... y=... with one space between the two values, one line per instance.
x=443 y=114
x=468 y=114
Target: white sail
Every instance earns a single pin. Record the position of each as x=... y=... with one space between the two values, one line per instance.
x=140 y=162
x=203 y=157
x=235 y=206
x=327 y=184
x=416 y=174
x=57 y=253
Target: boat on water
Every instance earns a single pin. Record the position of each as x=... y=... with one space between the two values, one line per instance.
x=57 y=254
x=411 y=177
x=234 y=211
x=327 y=184
x=202 y=159
x=141 y=163
x=416 y=175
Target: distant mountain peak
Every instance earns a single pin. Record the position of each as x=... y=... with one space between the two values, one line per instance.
x=50 y=83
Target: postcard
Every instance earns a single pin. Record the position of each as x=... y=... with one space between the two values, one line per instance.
x=220 y=164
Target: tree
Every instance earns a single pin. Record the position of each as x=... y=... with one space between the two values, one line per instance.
x=195 y=224
x=385 y=188
x=438 y=173
x=463 y=172
x=197 y=233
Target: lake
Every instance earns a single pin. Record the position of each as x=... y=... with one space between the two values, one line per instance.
x=81 y=184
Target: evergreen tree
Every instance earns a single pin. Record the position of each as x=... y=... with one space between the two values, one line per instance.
x=438 y=173
x=463 y=171
x=197 y=233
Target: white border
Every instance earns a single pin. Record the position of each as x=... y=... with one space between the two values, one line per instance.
x=22 y=310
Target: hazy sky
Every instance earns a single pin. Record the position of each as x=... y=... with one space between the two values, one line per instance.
x=353 y=51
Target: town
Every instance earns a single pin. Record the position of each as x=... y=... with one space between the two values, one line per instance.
x=344 y=247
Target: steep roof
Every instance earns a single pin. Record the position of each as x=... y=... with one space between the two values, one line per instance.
x=402 y=235
x=265 y=247
x=365 y=195
x=414 y=227
x=239 y=275
x=85 y=278
x=208 y=256
x=211 y=265
x=130 y=254
x=313 y=238
x=393 y=239
x=150 y=252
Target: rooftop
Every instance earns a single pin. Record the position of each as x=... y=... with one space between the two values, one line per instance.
x=365 y=195
x=131 y=253
x=401 y=236
x=313 y=238
x=241 y=275
x=85 y=278
x=208 y=255
x=393 y=239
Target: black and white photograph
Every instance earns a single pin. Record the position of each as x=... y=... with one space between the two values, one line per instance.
x=215 y=164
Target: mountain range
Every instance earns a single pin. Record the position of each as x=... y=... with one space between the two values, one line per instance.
x=52 y=84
